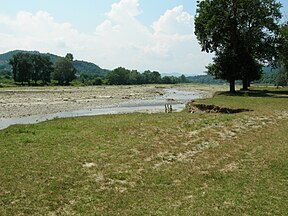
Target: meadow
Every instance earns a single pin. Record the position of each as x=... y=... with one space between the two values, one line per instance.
x=201 y=163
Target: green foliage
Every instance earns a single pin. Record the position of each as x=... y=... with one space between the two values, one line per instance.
x=282 y=78
x=64 y=71
x=123 y=76
x=240 y=36
x=169 y=80
x=205 y=79
x=28 y=67
x=69 y=57
x=42 y=69
x=75 y=83
x=80 y=66
x=268 y=78
x=6 y=81
x=283 y=47
x=90 y=79
x=89 y=68
x=119 y=76
x=87 y=73
x=22 y=67
x=151 y=77
x=6 y=73
x=97 y=81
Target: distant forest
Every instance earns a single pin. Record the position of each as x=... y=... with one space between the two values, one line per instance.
x=86 y=73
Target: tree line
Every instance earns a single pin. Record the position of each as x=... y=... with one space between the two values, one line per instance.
x=244 y=35
x=123 y=76
x=37 y=69
x=30 y=69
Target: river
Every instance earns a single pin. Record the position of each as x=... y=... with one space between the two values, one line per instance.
x=175 y=97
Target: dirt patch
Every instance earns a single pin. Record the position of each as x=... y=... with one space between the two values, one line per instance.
x=193 y=107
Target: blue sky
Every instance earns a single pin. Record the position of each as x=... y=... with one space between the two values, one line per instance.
x=81 y=13
x=136 y=34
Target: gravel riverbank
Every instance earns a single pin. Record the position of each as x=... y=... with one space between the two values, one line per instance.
x=20 y=102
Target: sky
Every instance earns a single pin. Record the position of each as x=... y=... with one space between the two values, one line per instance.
x=155 y=35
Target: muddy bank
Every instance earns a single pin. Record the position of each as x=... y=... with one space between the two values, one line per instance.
x=193 y=107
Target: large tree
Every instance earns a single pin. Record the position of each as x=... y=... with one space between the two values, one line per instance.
x=22 y=67
x=282 y=77
x=64 y=71
x=27 y=67
x=241 y=33
x=119 y=76
x=42 y=68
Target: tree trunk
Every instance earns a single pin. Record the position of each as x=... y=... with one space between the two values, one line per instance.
x=232 y=86
x=245 y=84
x=235 y=44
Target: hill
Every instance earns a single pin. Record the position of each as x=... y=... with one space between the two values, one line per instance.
x=81 y=66
x=88 y=67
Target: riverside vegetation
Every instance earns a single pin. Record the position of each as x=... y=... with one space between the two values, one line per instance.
x=42 y=70
x=152 y=164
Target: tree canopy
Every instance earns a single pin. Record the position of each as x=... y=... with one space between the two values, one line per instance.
x=42 y=69
x=241 y=33
x=123 y=76
x=28 y=67
x=282 y=78
x=64 y=71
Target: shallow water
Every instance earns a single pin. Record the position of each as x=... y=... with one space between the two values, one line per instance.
x=176 y=98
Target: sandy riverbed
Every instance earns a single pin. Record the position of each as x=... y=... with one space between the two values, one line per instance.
x=18 y=102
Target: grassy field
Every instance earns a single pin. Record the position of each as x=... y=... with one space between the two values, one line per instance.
x=152 y=164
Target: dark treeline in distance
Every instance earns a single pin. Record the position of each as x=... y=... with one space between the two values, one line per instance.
x=37 y=69
x=123 y=76
x=32 y=68
x=29 y=68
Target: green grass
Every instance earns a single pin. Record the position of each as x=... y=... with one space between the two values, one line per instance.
x=152 y=164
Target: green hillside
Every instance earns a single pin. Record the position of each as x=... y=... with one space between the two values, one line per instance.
x=88 y=67
x=81 y=66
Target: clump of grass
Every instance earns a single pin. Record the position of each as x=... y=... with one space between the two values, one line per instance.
x=151 y=164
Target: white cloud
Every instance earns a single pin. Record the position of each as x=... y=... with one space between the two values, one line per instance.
x=38 y=31
x=174 y=21
x=123 y=10
x=120 y=40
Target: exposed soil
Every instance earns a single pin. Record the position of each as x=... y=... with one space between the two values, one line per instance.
x=210 y=108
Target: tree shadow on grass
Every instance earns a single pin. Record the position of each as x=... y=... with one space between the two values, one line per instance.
x=275 y=93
